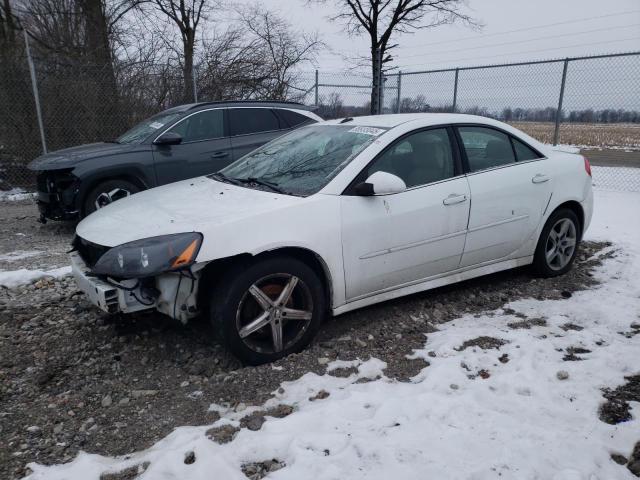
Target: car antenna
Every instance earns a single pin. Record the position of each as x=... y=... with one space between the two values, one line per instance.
x=346 y=119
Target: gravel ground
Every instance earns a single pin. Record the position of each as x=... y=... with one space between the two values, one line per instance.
x=75 y=379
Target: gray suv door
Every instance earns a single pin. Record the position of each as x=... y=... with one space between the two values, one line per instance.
x=251 y=127
x=205 y=147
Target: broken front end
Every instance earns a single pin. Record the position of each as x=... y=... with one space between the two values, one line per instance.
x=155 y=273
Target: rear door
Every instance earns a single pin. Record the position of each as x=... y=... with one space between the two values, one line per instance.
x=510 y=185
x=394 y=240
x=205 y=148
x=252 y=127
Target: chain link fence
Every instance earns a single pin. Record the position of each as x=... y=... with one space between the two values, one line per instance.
x=589 y=102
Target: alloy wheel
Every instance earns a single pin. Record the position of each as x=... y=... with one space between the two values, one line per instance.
x=561 y=244
x=274 y=313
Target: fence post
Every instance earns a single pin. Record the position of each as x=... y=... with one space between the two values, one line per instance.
x=556 y=132
x=399 y=91
x=455 y=92
x=34 y=86
x=317 y=87
x=195 y=84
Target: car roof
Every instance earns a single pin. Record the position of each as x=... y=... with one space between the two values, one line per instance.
x=249 y=103
x=395 y=119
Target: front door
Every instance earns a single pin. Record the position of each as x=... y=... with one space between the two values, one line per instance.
x=394 y=240
x=205 y=148
x=510 y=189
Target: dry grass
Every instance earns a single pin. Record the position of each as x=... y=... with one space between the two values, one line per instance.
x=586 y=134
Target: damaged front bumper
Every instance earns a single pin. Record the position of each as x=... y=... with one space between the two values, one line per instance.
x=173 y=294
x=58 y=195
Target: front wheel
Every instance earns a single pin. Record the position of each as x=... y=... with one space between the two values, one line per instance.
x=268 y=309
x=106 y=193
x=558 y=244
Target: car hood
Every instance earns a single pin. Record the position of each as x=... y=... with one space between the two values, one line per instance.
x=70 y=157
x=197 y=205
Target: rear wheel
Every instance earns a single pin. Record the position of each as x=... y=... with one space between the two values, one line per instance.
x=558 y=244
x=268 y=309
x=106 y=193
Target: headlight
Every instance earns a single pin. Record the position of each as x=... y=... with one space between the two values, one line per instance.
x=150 y=256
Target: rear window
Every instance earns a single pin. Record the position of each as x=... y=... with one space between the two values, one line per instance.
x=524 y=152
x=243 y=121
x=292 y=119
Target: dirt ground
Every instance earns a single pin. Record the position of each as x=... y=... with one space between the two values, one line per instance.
x=74 y=378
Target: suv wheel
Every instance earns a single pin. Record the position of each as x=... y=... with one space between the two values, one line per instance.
x=266 y=310
x=106 y=193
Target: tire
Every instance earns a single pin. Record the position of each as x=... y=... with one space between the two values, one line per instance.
x=554 y=255
x=236 y=309
x=107 y=188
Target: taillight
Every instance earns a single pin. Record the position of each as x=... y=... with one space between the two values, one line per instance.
x=587 y=166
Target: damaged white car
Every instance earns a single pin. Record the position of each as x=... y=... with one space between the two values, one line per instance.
x=333 y=217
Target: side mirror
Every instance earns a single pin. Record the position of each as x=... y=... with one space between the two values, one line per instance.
x=168 y=138
x=380 y=183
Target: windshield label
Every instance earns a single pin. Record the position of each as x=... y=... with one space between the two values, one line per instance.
x=156 y=125
x=367 y=130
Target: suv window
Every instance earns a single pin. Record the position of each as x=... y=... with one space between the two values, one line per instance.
x=524 y=152
x=420 y=158
x=252 y=120
x=205 y=125
x=486 y=147
x=292 y=119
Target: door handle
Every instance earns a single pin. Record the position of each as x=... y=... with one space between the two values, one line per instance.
x=219 y=154
x=540 y=178
x=454 y=198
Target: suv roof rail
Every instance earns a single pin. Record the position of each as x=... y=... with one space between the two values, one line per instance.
x=272 y=102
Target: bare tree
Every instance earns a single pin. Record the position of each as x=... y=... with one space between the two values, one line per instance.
x=380 y=20
x=187 y=15
x=280 y=50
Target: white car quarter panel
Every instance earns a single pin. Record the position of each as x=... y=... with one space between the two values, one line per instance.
x=391 y=240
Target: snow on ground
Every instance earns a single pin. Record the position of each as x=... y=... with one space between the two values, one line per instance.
x=14 y=278
x=15 y=195
x=521 y=422
x=20 y=255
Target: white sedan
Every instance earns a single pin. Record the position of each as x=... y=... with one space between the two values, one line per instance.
x=333 y=217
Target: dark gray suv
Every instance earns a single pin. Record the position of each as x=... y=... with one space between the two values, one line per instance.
x=178 y=143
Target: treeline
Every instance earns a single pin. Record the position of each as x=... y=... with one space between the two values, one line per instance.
x=333 y=106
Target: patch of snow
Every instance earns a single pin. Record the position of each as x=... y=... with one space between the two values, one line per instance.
x=20 y=255
x=15 y=278
x=523 y=420
x=15 y=195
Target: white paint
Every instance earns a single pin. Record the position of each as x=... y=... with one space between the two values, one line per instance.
x=370 y=246
x=520 y=423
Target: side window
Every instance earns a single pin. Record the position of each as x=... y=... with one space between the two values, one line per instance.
x=420 y=158
x=205 y=125
x=486 y=147
x=291 y=119
x=252 y=120
x=524 y=152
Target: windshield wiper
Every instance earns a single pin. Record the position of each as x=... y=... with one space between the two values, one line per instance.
x=271 y=185
x=111 y=141
x=223 y=178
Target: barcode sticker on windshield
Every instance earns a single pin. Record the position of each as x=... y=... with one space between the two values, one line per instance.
x=155 y=125
x=367 y=130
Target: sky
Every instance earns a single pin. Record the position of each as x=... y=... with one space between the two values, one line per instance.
x=538 y=29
